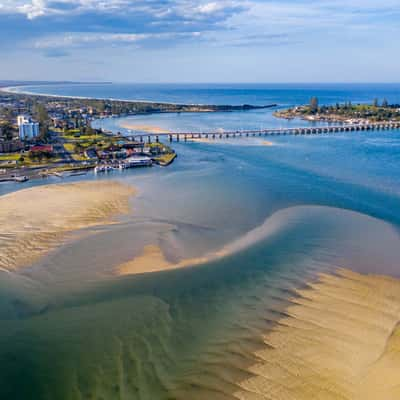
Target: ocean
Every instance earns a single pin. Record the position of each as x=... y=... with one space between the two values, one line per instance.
x=302 y=206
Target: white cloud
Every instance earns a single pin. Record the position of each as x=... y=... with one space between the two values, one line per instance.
x=186 y=8
x=76 y=40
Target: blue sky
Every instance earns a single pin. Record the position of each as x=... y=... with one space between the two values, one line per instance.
x=201 y=41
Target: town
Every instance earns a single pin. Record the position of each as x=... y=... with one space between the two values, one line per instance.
x=49 y=135
x=44 y=136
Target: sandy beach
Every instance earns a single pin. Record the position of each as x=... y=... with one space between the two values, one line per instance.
x=339 y=340
x=35 y=220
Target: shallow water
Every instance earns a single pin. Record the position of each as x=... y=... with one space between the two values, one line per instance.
x=304 y=205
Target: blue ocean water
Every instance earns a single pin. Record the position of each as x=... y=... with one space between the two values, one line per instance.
x=301 y=205
x=236 y=94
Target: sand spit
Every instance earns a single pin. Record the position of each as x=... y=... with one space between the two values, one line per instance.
x=340 y=340
x=144 y=128
x=37 y=219
x=153 y=259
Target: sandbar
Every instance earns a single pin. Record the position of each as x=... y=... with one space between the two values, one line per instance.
x=36 y=220
x=143 y=128
x=339 y=340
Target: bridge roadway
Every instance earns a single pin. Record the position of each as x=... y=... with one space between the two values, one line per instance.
x=315 y=130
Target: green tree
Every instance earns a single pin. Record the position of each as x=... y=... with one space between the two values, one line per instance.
x=41 y=115
x=375 y=103
x=314 y=104
x=7 y=130
x=78 y=148
x=385 y=103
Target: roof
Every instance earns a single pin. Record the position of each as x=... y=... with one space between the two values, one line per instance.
x=45 y=148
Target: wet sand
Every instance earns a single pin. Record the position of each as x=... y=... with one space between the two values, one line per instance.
x=339 y=340
x=36 y=220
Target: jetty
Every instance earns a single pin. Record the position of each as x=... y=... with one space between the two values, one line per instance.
x=310 y=130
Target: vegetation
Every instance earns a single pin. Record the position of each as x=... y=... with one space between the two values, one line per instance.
x=9 y=157
x=41 y=115
x=165 y=159
x=8 y=130
x=346 y=111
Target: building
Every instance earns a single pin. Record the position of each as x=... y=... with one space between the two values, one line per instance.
x=27 y=128
x=10 y=146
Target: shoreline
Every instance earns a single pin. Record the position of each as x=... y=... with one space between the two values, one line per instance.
x=11 y=90
x=217 y=107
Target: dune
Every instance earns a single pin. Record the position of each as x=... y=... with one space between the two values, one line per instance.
x=36 y=220
x=339 y=340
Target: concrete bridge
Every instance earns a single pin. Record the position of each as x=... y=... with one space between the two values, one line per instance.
x=315 y=130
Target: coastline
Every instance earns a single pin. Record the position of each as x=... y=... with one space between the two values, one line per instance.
x=38 y=219
x=11 y=90
x=204 y=107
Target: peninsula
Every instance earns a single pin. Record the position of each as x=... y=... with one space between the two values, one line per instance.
x=347 y=112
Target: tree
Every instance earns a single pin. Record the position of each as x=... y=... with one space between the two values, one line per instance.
x=385 y=103
x=8 y=130
x=375 y=103
x=42 y=116
x=314 y=104
x=78 y=148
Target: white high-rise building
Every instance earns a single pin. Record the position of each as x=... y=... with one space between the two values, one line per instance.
x=27 y=128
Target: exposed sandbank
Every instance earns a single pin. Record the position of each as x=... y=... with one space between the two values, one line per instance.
x=35 y=220
x=339 y=340
x=152 y=259
x=143 y=128
x=267 y=143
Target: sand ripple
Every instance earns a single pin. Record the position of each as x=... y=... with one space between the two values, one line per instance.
x=340 y=340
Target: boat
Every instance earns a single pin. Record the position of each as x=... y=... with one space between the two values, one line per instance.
x=77 y=173
x=21 y=179
x=99 y=169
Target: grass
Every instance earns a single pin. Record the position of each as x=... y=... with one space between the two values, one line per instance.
x=70 y=148
x=10 y=157
x=79 y=157
x=72 y=168
x=166 y=159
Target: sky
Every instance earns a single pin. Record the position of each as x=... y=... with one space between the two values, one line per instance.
x=200 y=41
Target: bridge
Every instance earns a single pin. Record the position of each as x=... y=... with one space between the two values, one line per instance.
x=315 y=130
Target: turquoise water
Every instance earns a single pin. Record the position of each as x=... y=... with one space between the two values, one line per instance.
x=288 y=211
